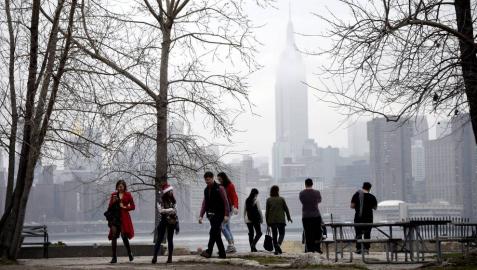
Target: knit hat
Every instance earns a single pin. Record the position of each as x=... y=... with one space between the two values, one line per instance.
x=166 y=188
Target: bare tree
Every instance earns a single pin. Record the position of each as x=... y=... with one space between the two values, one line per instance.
x=31 y=104
x=401 y=58
x=175 y=59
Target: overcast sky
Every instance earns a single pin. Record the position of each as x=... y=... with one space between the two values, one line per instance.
x=259 y=131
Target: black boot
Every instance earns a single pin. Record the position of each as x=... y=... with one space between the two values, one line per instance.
x=114 y=243
x=250 y=241
x=128 y=247
x=255 y=241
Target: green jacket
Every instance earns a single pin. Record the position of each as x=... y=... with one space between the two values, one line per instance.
x=275 y=210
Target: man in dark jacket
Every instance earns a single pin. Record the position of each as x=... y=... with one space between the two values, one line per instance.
x=216 y=206
x=363 y=203
x=311 y=217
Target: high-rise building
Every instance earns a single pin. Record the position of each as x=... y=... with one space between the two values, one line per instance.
x=466 y=163
x=451 y=167
x=352 y=175
x=418 y=161
x=262 y=165
x=291 y=106
x=358 y=144
x=443 y=128
x=329 y=158
x=440 y=171
x=420 y=128
x=390 y=159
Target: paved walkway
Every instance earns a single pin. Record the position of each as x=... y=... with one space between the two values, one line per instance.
x=194 y=262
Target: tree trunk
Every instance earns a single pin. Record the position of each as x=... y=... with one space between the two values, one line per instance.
x=12 y=221
x=468 y=57
x=13 y=104
x=161 y=107
x=21 y=211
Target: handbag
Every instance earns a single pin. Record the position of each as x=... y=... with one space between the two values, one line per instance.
x=171 y=219
x=109 y=215
x=112 y=215
x=268 y=243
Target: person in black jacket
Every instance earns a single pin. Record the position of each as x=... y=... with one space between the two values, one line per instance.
x=216 y=205
x=253 y=218
x=169 y=222
x=363 y=203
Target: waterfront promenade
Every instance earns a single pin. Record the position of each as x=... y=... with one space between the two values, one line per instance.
x=240 y=261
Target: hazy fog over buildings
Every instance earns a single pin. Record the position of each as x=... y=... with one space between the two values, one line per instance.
x=434 y=177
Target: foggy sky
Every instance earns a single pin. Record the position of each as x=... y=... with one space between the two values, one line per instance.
x=326 y=125
x=259 y=131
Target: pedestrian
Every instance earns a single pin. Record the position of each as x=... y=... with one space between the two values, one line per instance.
x=311 y=217
x=121 y=202
x=275 y=216
x=363 y=203
x=253 y=218
x=169 y=222
x=233 y=204
x=216 y=206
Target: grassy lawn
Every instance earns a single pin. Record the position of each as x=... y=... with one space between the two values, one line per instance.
x=456 y=261
x=268 y=260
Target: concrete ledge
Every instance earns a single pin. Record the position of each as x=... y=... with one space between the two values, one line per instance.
x=91 y=251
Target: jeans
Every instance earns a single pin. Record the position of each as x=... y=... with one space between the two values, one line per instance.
x=226 y=231
x=363 y=231
x=258 y=233
x=278 y=234
x=161 y=231
x=215 y=236
x=313 y=234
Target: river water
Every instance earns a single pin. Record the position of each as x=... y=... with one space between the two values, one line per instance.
x=193 y=241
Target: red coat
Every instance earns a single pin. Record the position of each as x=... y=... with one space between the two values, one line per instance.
x=232 y=196
x=126 y=223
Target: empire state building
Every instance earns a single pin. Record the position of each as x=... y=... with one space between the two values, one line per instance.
x=291 y=107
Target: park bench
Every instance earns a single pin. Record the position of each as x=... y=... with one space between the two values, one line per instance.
x=458 y=230
x=32 y=232
x=346 y=239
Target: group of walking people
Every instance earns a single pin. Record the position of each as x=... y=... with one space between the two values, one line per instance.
x=220 y=203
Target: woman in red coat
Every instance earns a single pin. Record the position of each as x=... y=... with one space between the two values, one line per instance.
x=123 y=202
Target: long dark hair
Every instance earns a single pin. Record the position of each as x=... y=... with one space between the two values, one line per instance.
x=274 y=191
x=121 y=182
x=251 y=198
x=225 y=179
x=168 y=197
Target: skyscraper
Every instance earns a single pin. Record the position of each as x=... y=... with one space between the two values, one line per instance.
x=451 y=166
x=291 y=106
x=358 y=145
x=466 y=163
x=443 y=128
x=440 y=170
x=390 y=159
x=418 y=155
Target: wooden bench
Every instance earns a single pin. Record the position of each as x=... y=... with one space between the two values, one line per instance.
x=35 y=232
